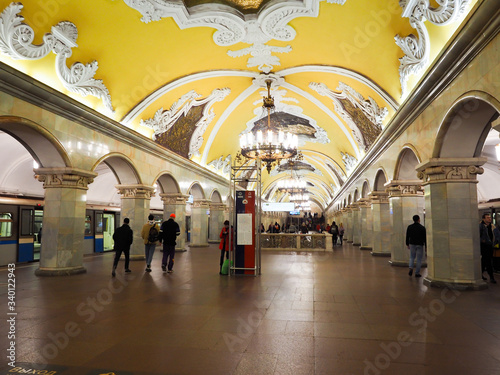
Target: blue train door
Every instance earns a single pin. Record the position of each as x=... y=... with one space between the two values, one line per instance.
x=26 y=247
x=98 y=230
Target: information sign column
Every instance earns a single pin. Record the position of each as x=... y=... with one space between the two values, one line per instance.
x=244 y=257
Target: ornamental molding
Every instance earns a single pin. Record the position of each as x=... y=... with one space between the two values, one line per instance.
x=221 y=164
x=72 y=178
x=135 y=191
x=417 y=48
x=404 y=188
x=217 y=207
x=16 y=39
x=364 y=203
x=232 y=27
x=369 y=107
x=162 y=120
x=201 y=203
x=174 y=199
x=350 y=162
x=378 y=197
x=451 y=170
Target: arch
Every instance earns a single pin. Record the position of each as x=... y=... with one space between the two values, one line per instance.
x=167 y=183
x=356 y=196
x=380 y=180
x=196 y=191
x=122 y=167
x=365 y=190
x=406 y=164
x=465 y=126
x=47 y=151
x=215 y=196
x=349 y=199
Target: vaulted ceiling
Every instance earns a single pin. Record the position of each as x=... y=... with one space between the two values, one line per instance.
x=191 y=74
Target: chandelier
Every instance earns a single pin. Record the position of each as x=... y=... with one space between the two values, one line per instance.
x=268 y=146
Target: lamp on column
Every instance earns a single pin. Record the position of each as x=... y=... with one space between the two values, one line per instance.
x=269 y=146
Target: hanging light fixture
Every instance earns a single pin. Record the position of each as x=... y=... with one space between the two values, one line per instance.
x=269 y=146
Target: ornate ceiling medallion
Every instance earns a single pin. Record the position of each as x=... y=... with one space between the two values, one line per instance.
x=163 y=122
x=417 y=49
x=269 y=22
x=351 y=106
x=16 y=40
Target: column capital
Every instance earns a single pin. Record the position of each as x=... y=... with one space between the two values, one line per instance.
x=378 y=197
x=217 y=206
x=364 y=203
x=201 y=203
x=399 y=188
x=65 y=177
x=438 y=170
x=135 y=191
x=354 y=206
x=176 y=198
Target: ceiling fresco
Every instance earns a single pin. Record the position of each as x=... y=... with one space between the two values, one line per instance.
x=191 y=74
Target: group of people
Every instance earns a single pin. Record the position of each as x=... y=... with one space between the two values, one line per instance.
x=152 y=234
x=337 y=232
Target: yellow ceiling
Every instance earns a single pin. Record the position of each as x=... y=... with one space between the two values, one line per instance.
x=351 y=43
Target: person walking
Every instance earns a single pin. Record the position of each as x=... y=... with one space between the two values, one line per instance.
x=169 y=231
x=334 y=231
x=487 y=240
x=150 y=234
x=224 y=244
x=415 y=240
x=341 y=233
x=122 y=238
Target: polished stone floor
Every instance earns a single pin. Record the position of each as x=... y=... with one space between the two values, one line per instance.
x=341 y=312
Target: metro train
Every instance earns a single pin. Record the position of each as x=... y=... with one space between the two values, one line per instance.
x=21 y=230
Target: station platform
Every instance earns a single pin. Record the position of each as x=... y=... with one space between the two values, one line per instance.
x=338 y=312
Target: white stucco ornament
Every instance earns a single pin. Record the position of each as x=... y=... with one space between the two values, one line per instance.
x=350 y=162
x=16 y=41
x=270 y=23
x=417 y=49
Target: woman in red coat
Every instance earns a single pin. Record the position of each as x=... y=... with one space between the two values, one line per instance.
x=224 y=243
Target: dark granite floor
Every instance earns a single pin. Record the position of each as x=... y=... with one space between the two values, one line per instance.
x=342 y=312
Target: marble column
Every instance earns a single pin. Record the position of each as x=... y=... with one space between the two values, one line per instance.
x=365 y=209
x=135 y=203
x=406 y=199
x=216 y=221
x=356 y=225
x=452 y=222
x=381 y=223
x=65 y=202
x=199 y=223
x=348 y=224
x=176 y=204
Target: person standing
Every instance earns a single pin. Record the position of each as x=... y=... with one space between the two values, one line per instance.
x=224 y=244
x=415 y=240
x=487 y=240
x=169 y=231
x=150 y=234
x=122 y=238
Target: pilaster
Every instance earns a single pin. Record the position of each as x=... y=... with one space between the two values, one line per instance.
x=381 y=223
x=63 y=220
x=176 y=204
x=199 y=223
x=216 y=221
x=356 y=224
x=452 y=221
x=135 y=203
x=365 y=209
x=406 y=199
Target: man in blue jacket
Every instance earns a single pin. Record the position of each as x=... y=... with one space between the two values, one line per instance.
x=169 y=231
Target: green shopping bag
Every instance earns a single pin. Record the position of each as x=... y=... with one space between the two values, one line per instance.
x=225 y=267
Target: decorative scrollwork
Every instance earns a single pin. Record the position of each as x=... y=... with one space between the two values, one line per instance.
x=16 y=40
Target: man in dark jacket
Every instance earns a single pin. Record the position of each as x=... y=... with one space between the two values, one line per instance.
x=123 y=238
x=169 y=231
x=487 y=239
x=415 y=240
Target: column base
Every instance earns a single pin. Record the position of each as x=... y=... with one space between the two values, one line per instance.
x=450 y=284
x=348 y=241
x=381 y=254
x=199 y=245
x=356 y=244
x=365 y=248
x=213 y=241
x=137 y=257
x=400 y=263
x=180 y=250
x=46 y=271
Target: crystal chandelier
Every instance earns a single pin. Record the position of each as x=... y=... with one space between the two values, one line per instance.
x=269 y=146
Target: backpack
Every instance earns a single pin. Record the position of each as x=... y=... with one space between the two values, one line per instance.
x=333 y=230
x=153 y=234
